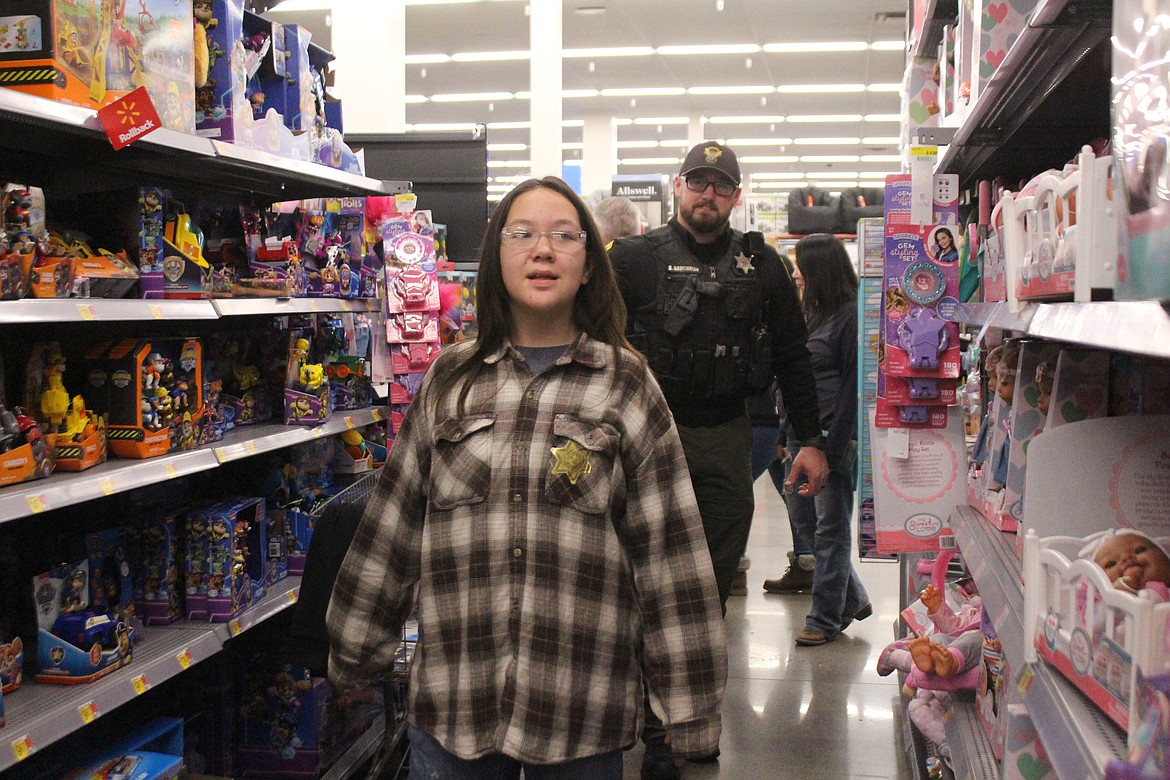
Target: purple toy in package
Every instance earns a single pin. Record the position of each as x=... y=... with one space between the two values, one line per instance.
x=920 y=295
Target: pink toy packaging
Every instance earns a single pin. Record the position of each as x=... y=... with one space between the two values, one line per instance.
x=1139 y=146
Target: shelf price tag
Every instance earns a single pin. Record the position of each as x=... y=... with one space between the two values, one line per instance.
x=292 y=596
x=235 y=627
x=349 y=423
x=108 y=487
x=1027 y=677
x=141 y=684
x=37 y=504
x=377 y=415
x=23 y=748
x=170 y=471
x=186 y=659
x=85 y=310
x=250 y=447
x=89 y=712
x=156 y=312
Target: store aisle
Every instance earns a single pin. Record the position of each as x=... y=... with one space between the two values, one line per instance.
x=803 y=712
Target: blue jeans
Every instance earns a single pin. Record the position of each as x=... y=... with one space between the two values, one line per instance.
x=837 y=590
x=764 y=441
x=429 y=759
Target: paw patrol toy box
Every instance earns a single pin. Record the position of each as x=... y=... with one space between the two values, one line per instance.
x=76 y=643
x=92 y=52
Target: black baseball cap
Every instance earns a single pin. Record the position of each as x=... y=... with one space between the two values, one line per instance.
x=713 y=155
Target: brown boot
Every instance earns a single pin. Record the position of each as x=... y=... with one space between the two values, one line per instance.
x=796 y=578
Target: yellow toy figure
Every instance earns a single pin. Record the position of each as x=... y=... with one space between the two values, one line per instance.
x=55 y=399
x=312 y=376
x=204 y=23
x=101 y=48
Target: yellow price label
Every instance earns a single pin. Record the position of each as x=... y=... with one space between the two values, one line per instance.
x=86 y=311
x=23 y=748
x=314 y=306
x=1026 y=679
x=924 y=151
x=108 y=487
x=89 y=712
x=186 y=659
x=235 y=627
x=156 y=311
x=292 y=596
x=250 y=446
x=349 y=423
x=377 y=415
x=141 y=684
x=171 y=471
x=36 y=504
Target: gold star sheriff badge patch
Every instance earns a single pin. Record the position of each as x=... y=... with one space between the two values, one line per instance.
x=572 y=461
x=743 y=263
x=712 y=153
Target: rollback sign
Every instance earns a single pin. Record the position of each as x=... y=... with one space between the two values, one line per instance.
x=129 y=119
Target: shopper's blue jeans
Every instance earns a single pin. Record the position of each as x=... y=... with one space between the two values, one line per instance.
x=428 y=759
x=837 y=590
x=764 y=441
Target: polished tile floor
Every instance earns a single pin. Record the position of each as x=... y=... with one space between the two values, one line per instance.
x=803 y=712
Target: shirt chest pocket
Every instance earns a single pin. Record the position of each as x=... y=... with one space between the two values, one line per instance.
x=462 y=468
x=581 y=465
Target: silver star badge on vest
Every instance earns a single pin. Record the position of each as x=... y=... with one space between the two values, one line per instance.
x=743 y=263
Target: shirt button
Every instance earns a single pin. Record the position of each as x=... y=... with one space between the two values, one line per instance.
x=517 y=498
x=517 y=552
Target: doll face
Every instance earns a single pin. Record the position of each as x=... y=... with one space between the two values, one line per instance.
x=1005 y=384
x=1131 y=561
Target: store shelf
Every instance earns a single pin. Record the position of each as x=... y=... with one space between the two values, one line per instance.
x=1079 y=739
x=39 y=715
x=937 y=15
x=1057 y=39
x=279 y=597
x=245 y=441
x=38 y=310
x=63 y=147
x=996 y=315
x=33 y=310
x=972 y=757
x=1140 y=327
x=117 y=476
x=231 y=307
x=114 y=476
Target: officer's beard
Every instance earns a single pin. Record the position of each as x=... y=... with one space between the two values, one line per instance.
x=708 y=221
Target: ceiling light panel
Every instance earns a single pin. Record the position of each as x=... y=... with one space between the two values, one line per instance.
x=753 y=120
x=469 y=97
x=819 y=88
x=735 y=143
x=643 y=91
x=650 y=160
x=736 y=48
x=612 y=51
x=881 y=140
x=745 y=90
x=827 y=158
x=489 y=56
x=661 y=120
x=810 y=46
x=824 y=118
x=767 y=159
x=426 y=59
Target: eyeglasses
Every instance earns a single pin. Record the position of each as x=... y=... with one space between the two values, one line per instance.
x=560 y=240
x=723 y=189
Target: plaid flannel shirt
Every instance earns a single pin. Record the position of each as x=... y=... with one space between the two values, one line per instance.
x=554 y=537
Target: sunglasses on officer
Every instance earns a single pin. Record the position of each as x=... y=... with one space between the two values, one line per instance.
x=722 y=187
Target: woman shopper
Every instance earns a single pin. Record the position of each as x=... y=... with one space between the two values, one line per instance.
x=538 y=496
x=828 y=294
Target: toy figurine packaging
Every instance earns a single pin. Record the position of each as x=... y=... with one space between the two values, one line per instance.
x=76 y=643
x=92 y=52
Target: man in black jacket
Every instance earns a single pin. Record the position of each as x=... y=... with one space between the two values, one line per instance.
x=717 y=316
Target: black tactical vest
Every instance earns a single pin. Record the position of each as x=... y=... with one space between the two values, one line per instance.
x=706 y=335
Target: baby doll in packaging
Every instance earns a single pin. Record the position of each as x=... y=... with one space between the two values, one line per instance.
x=1133 y=561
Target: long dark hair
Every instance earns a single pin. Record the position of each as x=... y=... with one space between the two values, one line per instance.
x=829 y=278
x=598 y=309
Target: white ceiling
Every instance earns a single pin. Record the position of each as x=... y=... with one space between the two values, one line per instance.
x=449 y=28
